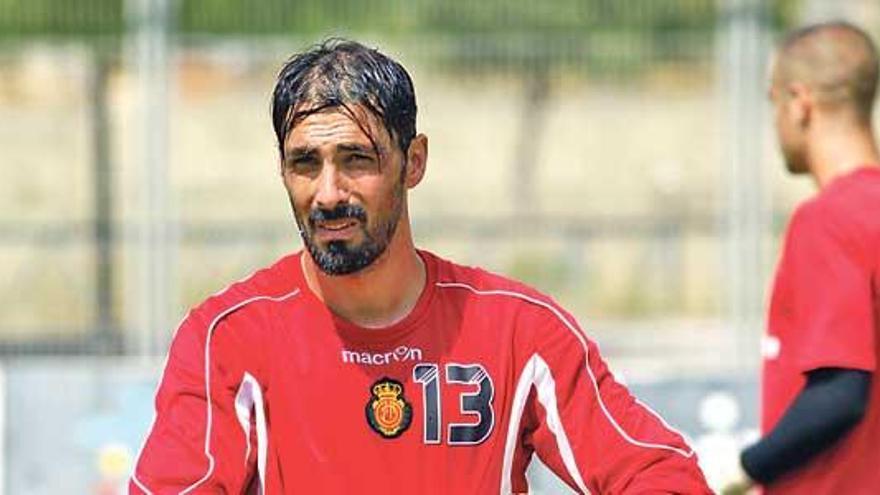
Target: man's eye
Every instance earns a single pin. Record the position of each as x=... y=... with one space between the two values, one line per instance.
x=302 y=164
x=358 y=156
x=359 y=160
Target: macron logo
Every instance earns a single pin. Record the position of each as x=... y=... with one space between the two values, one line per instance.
x=399 y=355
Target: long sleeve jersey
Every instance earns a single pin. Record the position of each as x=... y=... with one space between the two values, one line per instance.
x=267 y=391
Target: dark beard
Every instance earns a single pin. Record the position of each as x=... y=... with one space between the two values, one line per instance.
x=339 y=258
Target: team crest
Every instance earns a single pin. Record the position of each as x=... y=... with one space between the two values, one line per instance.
x=388 y=412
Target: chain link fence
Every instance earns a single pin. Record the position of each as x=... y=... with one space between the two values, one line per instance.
x=613 y=153
x=575 y=145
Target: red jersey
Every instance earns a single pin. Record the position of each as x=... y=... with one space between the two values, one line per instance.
x=825 y=313
x=266 y=391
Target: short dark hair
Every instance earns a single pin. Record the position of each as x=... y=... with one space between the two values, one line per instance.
x=344 y=73
x=835 y=58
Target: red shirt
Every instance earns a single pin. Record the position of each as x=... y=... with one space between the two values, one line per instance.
x=265 y=388
x=825 y=312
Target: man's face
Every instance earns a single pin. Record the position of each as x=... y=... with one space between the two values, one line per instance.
x=788 y=121
x=347 y=196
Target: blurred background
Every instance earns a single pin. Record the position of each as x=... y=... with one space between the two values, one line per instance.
x=616 y=154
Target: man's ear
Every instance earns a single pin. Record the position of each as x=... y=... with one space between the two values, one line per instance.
x=800 y=101
x=416 y=160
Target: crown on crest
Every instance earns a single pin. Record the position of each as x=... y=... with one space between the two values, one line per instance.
x=387 y=390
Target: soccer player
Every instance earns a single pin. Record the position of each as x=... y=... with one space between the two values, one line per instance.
x=821 y=401
x=364 y=365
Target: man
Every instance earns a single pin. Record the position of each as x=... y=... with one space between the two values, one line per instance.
x=821 y=402
x=364 y=365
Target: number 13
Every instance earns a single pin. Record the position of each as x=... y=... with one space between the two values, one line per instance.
x=478 y=403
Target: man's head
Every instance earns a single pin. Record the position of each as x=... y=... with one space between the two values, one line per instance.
x=344 y=116
x=826 y=71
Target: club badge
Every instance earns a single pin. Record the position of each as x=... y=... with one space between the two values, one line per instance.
x=388 y=412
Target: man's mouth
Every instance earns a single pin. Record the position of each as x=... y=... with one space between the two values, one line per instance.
x=330 y=230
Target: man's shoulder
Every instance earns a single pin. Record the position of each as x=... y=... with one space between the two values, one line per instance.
x=277 y=281
x=843 y=211
x=479 y=278
x=500 y=295
x=845 y=197
x=477 y=281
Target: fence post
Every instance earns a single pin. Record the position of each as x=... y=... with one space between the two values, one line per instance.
x=745 y=218
x=149 y=24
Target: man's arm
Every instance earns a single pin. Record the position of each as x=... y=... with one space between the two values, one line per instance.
x=592 y=432
x=196 y=443
x=830 y=405
x=834 y=339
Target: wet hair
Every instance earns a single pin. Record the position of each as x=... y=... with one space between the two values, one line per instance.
x=344 y=74
x=837 y=60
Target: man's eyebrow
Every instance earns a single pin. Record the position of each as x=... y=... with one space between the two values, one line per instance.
x=354 y=147
x=300 y=151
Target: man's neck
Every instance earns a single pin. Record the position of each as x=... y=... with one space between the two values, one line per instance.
x=840 y=150
x=381 y=294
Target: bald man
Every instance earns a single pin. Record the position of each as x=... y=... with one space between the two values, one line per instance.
x=820 y=400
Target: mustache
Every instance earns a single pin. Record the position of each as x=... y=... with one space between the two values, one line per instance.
x=340 y=211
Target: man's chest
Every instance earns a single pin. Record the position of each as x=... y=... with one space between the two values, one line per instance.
x=434 y=397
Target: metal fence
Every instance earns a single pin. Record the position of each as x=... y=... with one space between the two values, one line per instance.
x=613 y=153
x=610 y=152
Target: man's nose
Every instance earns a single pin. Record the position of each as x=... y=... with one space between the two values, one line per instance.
x=331 y=188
